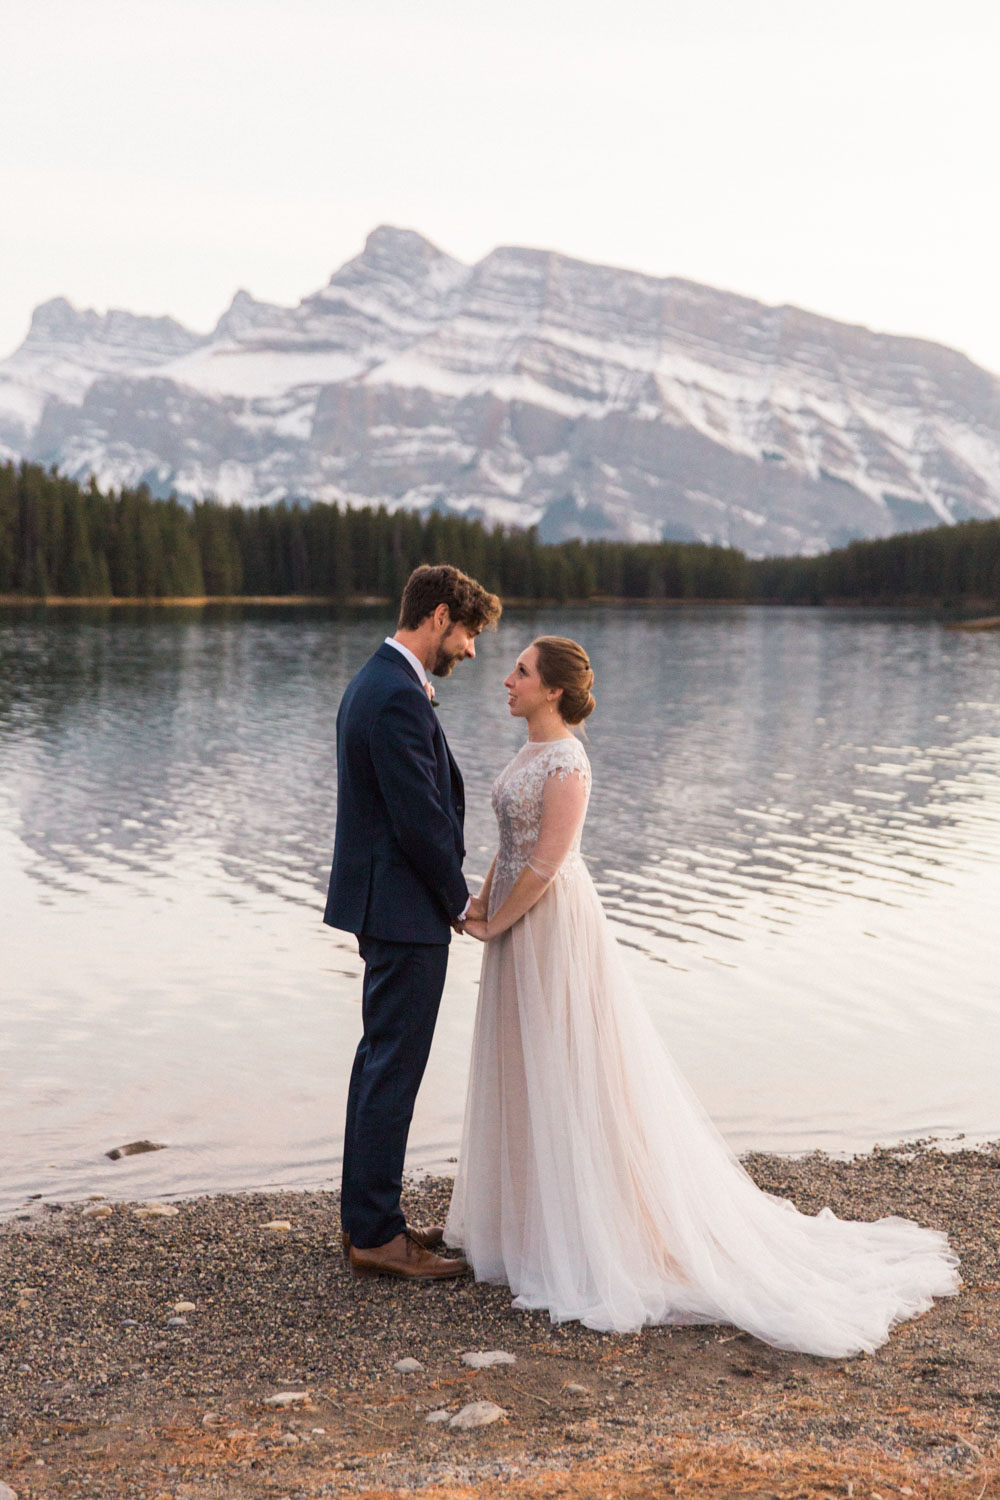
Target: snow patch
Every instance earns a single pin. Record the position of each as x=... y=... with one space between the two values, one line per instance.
x=257 y=373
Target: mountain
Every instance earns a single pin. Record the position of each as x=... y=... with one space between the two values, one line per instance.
x=529 y=388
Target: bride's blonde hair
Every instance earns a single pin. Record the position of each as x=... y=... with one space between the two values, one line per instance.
x=563 y=663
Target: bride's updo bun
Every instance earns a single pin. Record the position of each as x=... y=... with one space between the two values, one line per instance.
x=564 y=664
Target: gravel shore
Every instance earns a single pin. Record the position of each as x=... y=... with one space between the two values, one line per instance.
x=138 y=1354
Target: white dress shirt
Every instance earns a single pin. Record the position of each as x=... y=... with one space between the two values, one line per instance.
x=421 y=672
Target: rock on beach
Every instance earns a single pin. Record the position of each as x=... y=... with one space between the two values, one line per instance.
x=134 y=1148
x=476 y=1414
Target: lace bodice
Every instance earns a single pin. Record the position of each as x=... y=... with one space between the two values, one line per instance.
x=519 y=803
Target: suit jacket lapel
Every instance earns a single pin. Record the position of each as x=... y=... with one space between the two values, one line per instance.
x=389 y=653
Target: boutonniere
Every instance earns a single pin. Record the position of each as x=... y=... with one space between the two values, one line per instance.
x=435 y=703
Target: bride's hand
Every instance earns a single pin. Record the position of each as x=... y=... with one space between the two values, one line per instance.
x=477 y=928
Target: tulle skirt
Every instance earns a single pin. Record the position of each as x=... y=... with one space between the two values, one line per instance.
x=592 y=1183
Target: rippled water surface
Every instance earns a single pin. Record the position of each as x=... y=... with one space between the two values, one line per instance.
x=795 y=827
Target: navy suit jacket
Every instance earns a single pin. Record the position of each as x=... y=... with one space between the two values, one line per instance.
x=397 y=858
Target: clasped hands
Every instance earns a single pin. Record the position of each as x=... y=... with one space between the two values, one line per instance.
x=475 y=920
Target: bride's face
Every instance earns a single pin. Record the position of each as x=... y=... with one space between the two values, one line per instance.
x=526 y=693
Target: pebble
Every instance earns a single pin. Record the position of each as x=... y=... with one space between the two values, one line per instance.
x=91 y=1197
x=437 y=1416
x=576 y=1390
x=133 y=1148
x=486 y=1358
x=277 y=1224
x=97 y=1211
x=177 y=1322
x=476 y=1414
x=286 y=1398
x=408 y=1366
x=181 y=1307
x=318 y=1431
x=6 y=1493
x=289 y=1440
x=212 y=1419
x=130 y=1322
x=156 y=1211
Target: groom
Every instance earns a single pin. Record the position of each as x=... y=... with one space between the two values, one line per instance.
x=397 y=884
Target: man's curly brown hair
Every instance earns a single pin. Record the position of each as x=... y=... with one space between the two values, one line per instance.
x=468 y=602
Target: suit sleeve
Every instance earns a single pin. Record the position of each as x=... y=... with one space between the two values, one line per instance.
x=402 y=750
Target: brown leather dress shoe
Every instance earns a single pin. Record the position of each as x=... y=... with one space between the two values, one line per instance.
x=430 y=1237
x=405 y=1256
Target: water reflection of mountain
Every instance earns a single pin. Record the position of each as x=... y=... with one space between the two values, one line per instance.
x=748 y=763
x=152 y=741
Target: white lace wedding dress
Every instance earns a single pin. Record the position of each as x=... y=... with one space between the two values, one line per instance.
x=590 y=1180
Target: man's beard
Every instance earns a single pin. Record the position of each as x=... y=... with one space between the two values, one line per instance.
x=445 y=659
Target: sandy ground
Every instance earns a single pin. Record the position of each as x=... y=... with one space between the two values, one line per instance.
x=102 y=1395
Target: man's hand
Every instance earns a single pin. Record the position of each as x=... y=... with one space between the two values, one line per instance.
x=458 y=926
x=477 y=910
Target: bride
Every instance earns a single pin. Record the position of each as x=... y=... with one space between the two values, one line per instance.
x=590 y=1181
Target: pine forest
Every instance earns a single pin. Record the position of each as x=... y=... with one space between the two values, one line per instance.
x=60 y=539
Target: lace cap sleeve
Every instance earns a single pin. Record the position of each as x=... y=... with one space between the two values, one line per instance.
x=566 y=770
x=565 y=757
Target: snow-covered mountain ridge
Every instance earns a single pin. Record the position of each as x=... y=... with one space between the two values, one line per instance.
x=528 y=388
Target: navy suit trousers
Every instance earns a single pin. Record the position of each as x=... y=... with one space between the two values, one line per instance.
x=402 y=991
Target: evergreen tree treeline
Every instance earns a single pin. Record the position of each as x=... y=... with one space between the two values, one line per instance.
x=61 y=539
x=943 y=565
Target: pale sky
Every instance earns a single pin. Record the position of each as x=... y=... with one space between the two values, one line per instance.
x=837 y=154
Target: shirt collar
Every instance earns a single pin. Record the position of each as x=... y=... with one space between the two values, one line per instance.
x=414 y=661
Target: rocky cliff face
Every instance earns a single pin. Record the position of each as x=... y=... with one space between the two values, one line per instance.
x=529 y=389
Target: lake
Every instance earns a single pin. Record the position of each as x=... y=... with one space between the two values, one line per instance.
x=795 y=828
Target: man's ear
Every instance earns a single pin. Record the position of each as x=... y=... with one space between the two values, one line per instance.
x=442 y=617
